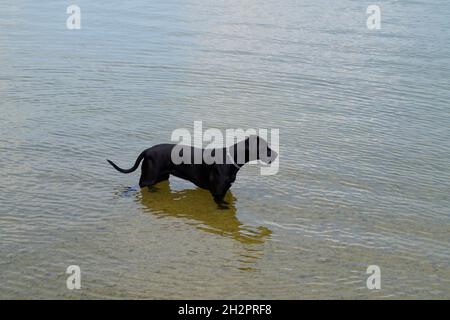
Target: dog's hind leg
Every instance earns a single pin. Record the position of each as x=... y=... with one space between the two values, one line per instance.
x=163 y=177
x=148 y=174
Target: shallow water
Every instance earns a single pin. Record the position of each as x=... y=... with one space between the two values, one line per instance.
x=364 y=149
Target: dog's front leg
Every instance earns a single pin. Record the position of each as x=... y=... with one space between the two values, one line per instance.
x=222 y=204
x=219 y=200
x=218 y=187
x=219 y=195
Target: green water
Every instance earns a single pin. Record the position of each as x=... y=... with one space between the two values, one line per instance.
x=364 y=149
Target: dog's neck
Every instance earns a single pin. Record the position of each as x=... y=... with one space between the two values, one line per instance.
x=230 y=159
x=232 y=154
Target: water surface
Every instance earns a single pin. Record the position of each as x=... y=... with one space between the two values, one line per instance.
x=364 y=149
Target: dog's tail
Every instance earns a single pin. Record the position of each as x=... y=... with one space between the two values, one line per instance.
x=136 y=164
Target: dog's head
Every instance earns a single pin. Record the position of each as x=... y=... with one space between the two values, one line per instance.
x=256 y=148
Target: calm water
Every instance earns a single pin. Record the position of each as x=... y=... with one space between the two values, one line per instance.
x=364 y=125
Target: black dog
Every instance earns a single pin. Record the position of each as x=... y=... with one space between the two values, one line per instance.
x=217 y=177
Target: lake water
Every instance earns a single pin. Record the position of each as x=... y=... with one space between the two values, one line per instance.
x=364 y=124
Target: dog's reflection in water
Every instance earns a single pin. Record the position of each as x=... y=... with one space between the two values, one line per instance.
x=197 y=206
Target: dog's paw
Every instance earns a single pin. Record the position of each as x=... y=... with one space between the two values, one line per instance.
x=223 y=206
